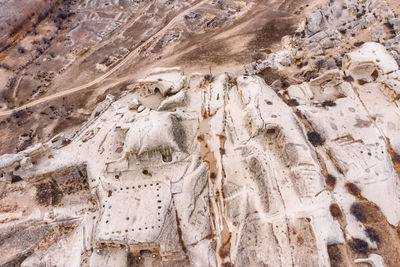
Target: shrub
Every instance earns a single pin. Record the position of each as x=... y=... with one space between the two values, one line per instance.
x=334 y=254
x=335 y=211
x=21 y=50
x=40 y=50
x=208 y=77
x=331 y=180
x=359 y=246
x=5 y=66
x=348 y=78
x=46 y=40
x=396 y=157
x=315 y=138
x=293 y=102
x=372 y=234
x=328 y=103
x=62 y=15
x=353 y=189
x=357 y=211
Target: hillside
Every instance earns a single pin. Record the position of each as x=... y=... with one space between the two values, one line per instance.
x=203 y=133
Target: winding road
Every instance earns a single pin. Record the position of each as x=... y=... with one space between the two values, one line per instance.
x=130 y=55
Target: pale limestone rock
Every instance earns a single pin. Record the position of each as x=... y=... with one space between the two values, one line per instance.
x=373 y=259
x=134 y=104
x=301 y=91
x=314 y=22
x=369 y=55
x=154 y=131
x=219 y=170
x=164 y=80
x=173 y=101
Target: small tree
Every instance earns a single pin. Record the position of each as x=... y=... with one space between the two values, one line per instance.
x=21 y=50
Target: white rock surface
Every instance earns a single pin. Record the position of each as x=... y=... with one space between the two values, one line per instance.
x=224 y=170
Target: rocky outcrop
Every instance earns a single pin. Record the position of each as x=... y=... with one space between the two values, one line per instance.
x=223 y=170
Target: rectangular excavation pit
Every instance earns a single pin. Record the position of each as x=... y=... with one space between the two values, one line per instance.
x=134 y=211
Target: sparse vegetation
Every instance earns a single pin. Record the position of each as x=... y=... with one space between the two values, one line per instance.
x=276 y=144
x=27 y=19
x=39 y=50
x=46 y=40
x=62 y=14
x=21 y=50
x=5 y=95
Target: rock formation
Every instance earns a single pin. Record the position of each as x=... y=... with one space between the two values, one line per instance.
x=228 y=169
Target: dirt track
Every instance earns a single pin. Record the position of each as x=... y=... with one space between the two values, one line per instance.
x=131 y=55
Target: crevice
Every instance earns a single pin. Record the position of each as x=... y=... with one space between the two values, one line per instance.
x=179 y=230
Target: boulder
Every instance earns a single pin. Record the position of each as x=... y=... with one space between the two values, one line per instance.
x=314 y=22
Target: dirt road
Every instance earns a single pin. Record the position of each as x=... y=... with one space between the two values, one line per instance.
x=132 y=54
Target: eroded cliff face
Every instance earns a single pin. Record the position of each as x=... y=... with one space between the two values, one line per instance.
x=292 y=161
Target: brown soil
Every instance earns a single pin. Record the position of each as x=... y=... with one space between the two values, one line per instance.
x=230 y=46
x=395 y=158
x=48 y=193
x=271 y=75
x=261 y=27
x=42 y=122
x=273 y=31
x=338 y=255
x=27 y=127
x=389 y=240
